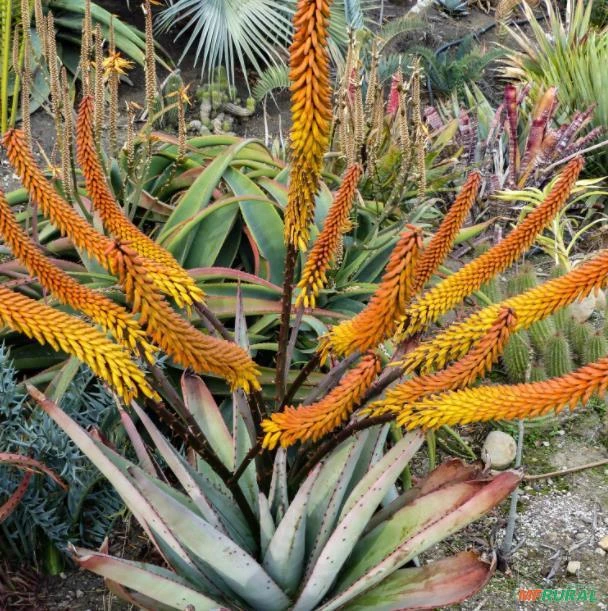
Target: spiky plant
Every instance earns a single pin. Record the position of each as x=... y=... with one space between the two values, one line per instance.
x=246 y=513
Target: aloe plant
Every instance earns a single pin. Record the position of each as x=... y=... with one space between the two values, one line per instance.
x=323 y=545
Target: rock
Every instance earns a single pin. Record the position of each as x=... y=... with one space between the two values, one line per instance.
x=499 y=450
x=574 y=566
x=195 y=126
x=581 y=310
x=604 y=543
x=599 y=551
x=79 y=593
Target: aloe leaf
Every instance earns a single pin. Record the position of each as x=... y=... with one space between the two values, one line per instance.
x=181 y=471
x=328 y=493
x=437 y=585
x=415 y=528
x=357 y=511
x=278 y=497
x=267 y=527
x=236 y=567
x=202 y=406
x=284 y=559
x=15 y=498
x=263 y=221
x=29 y=464
x=155 y=582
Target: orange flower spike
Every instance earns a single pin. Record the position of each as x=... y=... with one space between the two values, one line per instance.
x=311 y=115
x=111 y=316
x=503 y=402
x=63 y=216
x=177 y=337
x=66 y=333
x=185 y=291
x=443 y=240
x=378 y=320
x=451 y=291
x=315 y=420
x=531 y=306
x=459 y=375
x=327 y=243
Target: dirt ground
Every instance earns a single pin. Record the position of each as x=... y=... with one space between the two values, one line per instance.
x=559 y=519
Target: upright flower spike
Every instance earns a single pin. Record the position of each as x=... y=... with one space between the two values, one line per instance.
x=459 y=375
x=443 y=240
x=66 y=219
x=378 y=320
x=443 y=297
x=66 y=333
x=311 y=115
x=109 y=315
x=310 y=422
x=327 y=243
x=503 y=402
x=177 y=337
x=115 y=221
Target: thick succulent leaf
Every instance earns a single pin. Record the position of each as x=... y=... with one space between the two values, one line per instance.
x=278 y=497
x=371 y=453
x=237 y=568
x=32 y=465
x=436 y=585
x=202 y=406
x=15 y=498
x=329 y=492
x=415 y=528
x=284 y=559
x=156 y=583
x=242 y=444
x=181 y=471
x=357 y=511
x=267 y=527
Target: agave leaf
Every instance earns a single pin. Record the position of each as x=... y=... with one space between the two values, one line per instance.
x=242 y=444
x=284 y=559
x=267 y=527
x=436 y=585
x=415 y=528
x=237 y=568
x=278 y=497
x=358 y=509
x=154 y=582
x=328 y=494
x=181 y=471
x=201 y=404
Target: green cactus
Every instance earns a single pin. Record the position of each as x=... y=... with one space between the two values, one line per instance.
x=517 y=357
x=563 y=320
x=558 y=355
x=524 y=280
x=492 y=290
x=540 y=332
x=579 y=336
x=171 y=88
x=595 y=348
x=538 y=373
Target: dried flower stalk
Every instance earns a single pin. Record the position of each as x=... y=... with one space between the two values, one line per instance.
x=378 y=320
x=327 y=244
x=310 y=422
x=311 y=115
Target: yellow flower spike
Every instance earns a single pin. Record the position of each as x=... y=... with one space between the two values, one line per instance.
x=109 y=315
x=451 y=291
x=65 y=218
x=116 y=64
x=185 y=291
x=443 y=240
x=459 y=375
x=314 y=275
x=315 y=420
x=177 y=337
x=530 y=307
x=106 y=359
x=311 y=115
x=378 y=320
x=504 y=402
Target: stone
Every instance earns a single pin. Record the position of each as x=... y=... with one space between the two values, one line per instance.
x=79 y=593
x=603 y=543
x=600 y=552
x=574 y=566
x=581 y=310
x=499 y=450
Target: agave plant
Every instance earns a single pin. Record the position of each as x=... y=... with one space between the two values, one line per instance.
x=325 y=547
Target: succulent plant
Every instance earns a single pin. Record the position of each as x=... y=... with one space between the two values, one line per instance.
x=456 y=8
